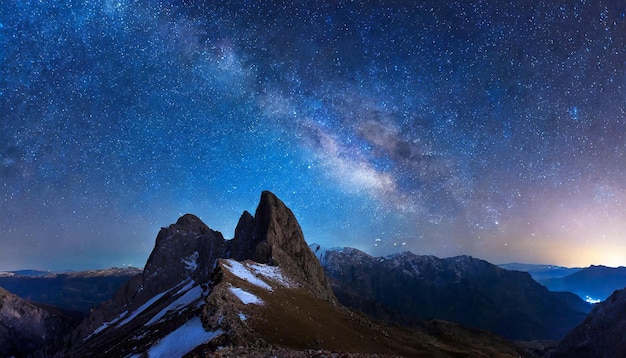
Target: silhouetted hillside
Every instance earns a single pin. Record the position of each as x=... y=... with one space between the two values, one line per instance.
x=406 y=288
x=593 y=283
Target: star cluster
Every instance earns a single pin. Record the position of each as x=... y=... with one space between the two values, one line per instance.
x=461 y=127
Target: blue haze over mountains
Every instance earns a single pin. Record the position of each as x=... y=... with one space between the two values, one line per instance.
x=592 y=283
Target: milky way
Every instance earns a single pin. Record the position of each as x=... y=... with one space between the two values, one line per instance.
x=467 y=127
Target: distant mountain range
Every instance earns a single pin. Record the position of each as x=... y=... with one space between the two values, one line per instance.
x=267 y=293
x=29 y=273
x=541 y=272
x=75 y=291
x=406 y=288
x=594 y=283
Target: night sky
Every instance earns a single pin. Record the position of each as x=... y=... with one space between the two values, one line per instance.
x=485 y=128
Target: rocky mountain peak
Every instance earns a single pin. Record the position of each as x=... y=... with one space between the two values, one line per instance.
x=190 y=222
x=244 y=242
x=279 y=241
x=273 y=236
x=276 y=228
x=184 y=268
x=186 y=249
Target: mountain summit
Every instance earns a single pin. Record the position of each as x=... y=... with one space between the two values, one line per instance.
x=187 y=279
x=273 y=236
x=263 y=293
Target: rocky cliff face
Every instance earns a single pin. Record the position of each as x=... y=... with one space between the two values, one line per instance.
x=25 y=328
x=274 y=237
x=407 y=288
x=182 y=279
x=263 y=293
x=601 y=334
x=186 y=249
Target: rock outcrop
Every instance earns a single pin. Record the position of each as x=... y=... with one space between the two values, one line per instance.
x=186 y=249
x=25 y=327
x=274 y=237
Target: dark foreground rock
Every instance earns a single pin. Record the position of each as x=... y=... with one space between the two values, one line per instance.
x=602 y=334
x=25 y=327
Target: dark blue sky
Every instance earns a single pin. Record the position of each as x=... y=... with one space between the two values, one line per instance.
x=466 y=127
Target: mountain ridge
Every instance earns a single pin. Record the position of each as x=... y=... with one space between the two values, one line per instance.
x=76 y=291
x=541 y=271
x=194 y=298
x=186 y=263
x=593 y=283
x=406 y=288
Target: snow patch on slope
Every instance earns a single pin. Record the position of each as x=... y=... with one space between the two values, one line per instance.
x=105 y=325
x=245 y=296
x=190 y=261
x=191 y=296
x=271 y=272
x=149 y=303
x=183 y=340
x=142 y=308
x=255 y=272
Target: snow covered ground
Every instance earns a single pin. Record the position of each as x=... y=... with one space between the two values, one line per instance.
x=182 y=340
x=187 y=297
x=142 y=308
x=190 y=262
x=255 y=273
x=243 y=272
x=271 y=272
x=105 y=325
x=192 y=296
x=245 y=296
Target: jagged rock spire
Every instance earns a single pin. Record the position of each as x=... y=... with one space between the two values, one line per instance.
x=189 y=248
x=244 y=243
x=274 y=237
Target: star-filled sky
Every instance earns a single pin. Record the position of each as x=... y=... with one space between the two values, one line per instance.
x=489 y=128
